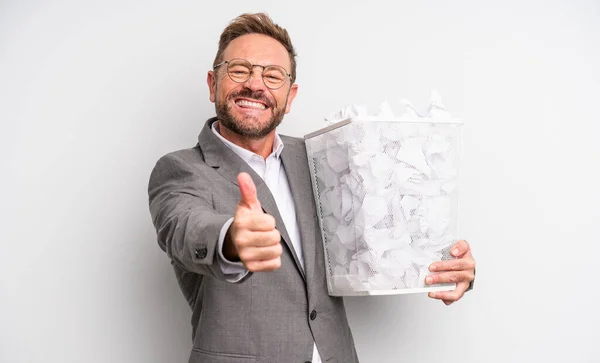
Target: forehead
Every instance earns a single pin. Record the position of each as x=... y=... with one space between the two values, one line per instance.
x=258 y=49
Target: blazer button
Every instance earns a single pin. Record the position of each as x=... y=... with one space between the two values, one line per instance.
x=313 y=315
x=201 y=253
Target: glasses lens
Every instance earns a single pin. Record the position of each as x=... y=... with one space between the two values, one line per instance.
x=274 y=76
x=239 y=70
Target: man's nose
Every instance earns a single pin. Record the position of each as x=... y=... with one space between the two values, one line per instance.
x=255 y=81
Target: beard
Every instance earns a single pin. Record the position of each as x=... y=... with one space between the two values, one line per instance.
x=249 y=126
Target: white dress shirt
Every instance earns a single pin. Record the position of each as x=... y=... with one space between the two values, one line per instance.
x=272 y=172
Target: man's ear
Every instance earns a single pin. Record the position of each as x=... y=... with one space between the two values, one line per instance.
x=290 y=97
x=211 y=80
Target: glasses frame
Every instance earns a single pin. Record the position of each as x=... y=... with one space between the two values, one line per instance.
x=262 y=75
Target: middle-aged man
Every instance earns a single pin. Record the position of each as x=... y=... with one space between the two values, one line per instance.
x=237 y=218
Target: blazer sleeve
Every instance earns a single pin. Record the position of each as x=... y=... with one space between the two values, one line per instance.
x=186 y=223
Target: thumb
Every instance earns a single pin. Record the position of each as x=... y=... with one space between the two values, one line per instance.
x=248 y=196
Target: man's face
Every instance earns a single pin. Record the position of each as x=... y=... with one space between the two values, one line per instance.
x=250 y=109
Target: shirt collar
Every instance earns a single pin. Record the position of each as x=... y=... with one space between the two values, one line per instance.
x=245 y=154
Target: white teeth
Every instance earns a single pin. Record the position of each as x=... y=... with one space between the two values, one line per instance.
x=246 y=103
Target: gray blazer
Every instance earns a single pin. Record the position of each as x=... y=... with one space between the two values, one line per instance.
x=271 y=316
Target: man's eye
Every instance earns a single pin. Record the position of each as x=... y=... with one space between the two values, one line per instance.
x=274 y=76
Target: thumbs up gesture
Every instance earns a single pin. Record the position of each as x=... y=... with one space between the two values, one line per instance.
x=252 y=237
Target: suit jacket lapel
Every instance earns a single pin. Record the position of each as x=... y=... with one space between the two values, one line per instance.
x=229 y=165
x=295 y=163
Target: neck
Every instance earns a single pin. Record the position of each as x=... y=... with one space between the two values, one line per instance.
x=262 y=147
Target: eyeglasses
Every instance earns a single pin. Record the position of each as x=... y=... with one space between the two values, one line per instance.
x=240 y=71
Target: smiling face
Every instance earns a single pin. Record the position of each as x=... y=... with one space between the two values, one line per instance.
x=250 y=109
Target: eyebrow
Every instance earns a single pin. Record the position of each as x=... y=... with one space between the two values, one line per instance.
x=261 y=65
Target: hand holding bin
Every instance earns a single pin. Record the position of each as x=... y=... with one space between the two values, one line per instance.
x=387 y=201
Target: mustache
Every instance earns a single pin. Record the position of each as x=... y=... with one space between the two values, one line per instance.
x=255 y=95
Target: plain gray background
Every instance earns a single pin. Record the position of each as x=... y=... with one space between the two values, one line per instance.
x=93 y=93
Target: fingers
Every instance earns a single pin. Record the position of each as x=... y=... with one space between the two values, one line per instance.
x=249 y=239
x=450 y=277
x=248 y=197
x=254 y=222
x=252 y=254
x=448 y=297
x=460 y=248
x=466 y=263
x=260 y=251
x=460 y=271
x=257 y=243
x=264 y=265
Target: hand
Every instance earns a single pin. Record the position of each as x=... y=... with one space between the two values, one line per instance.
x=460 y=271
x=252 y=237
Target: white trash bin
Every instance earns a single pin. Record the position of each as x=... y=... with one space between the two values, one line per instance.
x=387 y=202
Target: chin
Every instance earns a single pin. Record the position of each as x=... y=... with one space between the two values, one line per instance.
x=253 y=120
